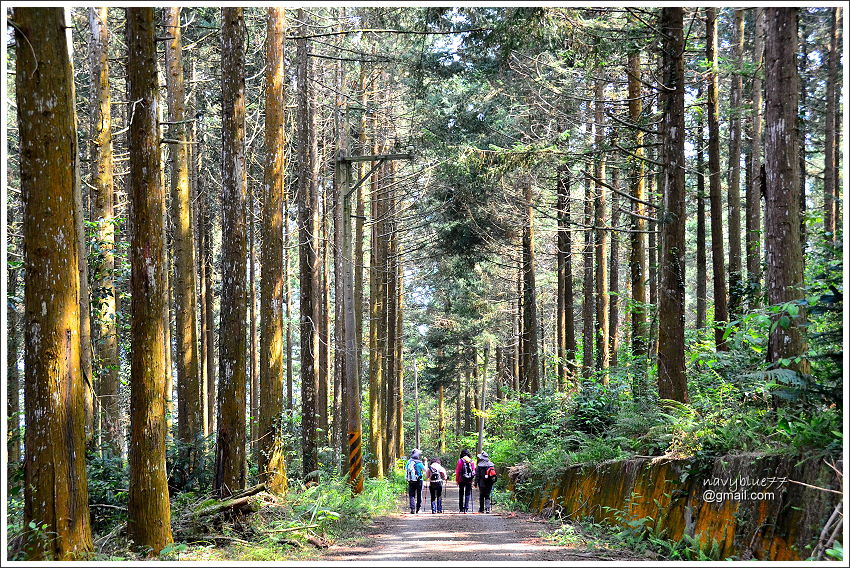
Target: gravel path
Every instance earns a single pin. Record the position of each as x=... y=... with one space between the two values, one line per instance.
x=450 y=536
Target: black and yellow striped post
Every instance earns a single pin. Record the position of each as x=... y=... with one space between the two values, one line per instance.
x=355 y=461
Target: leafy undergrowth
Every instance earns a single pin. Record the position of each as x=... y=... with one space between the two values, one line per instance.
x=634 y=536
x=295 y=526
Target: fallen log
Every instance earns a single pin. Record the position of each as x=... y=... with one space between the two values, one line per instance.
x=235 y=502
x=291 y=529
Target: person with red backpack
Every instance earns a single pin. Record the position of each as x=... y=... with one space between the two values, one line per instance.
x=464 y=475
x=485 y=479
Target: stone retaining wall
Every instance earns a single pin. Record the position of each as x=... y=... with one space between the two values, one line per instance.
x=763 y=516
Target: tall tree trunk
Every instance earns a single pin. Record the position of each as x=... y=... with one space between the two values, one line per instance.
x=830 y=186
x=209 y=312
x=637 y=251
x=391 y=375
x=86 y=365
x=148 y=513
x=55 y=490
x=587 y=306
x=13 y=382
x=600 y=236
x=323 y=396
x=672 y=383
x=755 y=188
x=399 y=352
x=702 y=262
x=721 y=312
x=520 y=334
x=308 y=237
x=483 y=399
x=102 y=192
x=782 y=212
x=734 y=189
x=614 y=274
x=199 y=213
x=530 y=346
x=376 y=330
x=253 y=347
x=803 y=114
x=230 y=441
x=168 y=309
x=565 y=327
x=441 y=416
x=287 y=277
x=189 y=421
x=270 y=463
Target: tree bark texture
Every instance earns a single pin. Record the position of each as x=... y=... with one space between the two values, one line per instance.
x=55 y=490
x=104 y=297
x=782 y=210
x=269 y=434
x=721 y=311
x=672 y=383
x=232 y=375
x=148 y=513
x=189 y=420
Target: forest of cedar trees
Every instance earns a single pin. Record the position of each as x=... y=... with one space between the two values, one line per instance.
x=268 y=252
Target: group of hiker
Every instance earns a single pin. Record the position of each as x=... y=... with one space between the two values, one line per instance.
x=419 y=472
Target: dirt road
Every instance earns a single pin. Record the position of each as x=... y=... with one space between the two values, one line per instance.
x=454 y=536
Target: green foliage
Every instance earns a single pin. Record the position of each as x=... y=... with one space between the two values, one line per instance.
x=836 y=552
x=107 y=483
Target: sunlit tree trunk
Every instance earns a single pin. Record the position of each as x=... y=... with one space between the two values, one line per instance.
x=672 y=383
x=102 y=193
x=230 y=440
x=189 y=420
x=149 y=518
x=55 y=490
x=271 y=464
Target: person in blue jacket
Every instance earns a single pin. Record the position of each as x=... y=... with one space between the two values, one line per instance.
x=414 y=472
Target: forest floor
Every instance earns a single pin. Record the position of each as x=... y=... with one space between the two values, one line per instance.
x=501 y=535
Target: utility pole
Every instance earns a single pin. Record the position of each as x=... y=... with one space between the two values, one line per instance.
x=351 y=384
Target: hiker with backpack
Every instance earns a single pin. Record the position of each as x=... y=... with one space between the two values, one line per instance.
x=464 y=475
x=414 y=472
x=437 y=477
x=485 y=479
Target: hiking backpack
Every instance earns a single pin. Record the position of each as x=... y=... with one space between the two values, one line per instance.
x=435 y=475
x=468 y=472
x=410 y=473
x=490 y=473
